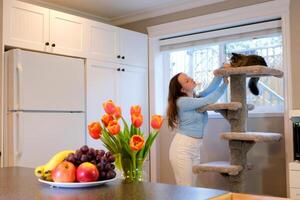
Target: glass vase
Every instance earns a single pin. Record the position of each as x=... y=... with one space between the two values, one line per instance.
x=132 y=169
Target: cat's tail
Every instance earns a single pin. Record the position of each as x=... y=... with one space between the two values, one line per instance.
x=252 y=85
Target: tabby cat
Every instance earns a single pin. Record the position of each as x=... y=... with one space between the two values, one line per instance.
x=238 y=60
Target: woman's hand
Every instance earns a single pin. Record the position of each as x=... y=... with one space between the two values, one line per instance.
x=225 y=79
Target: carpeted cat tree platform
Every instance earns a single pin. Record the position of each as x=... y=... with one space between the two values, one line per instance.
x=240 y=141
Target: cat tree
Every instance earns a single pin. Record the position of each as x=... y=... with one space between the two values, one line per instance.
x=240 y=141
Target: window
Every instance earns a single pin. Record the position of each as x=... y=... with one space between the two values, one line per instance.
x=200 y=61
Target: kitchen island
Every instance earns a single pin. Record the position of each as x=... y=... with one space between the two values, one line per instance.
x=20 y=183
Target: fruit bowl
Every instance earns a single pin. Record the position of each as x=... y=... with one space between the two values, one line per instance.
x=75 y=184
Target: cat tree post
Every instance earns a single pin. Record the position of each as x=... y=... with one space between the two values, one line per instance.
x=238 y=94
x=238 y=123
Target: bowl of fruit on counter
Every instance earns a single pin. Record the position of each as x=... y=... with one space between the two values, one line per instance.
x=84 y=167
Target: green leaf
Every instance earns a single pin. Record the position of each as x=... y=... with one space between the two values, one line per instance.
x=126 y=129
x=149 y=143
x=109 y=141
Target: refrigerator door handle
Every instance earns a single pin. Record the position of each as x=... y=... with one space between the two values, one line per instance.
x=17 y=146
x=19 y=84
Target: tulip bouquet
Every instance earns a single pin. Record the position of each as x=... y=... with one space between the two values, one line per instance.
x=128 y=144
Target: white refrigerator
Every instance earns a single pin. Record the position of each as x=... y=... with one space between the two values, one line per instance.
x=44 y=106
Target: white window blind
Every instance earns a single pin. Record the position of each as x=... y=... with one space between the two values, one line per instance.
x=217 y=36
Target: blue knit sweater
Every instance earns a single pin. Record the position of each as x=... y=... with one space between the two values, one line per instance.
x=192 y=123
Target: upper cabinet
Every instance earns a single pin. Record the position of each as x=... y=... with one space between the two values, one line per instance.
x=103 y=42
x=33 y=27
x=119 y=46
x=133 y=48
x=36 y=28
x=67 y=34
x=25 y=25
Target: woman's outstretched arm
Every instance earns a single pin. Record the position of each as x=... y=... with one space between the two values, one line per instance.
x=190 y=103
x=211 y=87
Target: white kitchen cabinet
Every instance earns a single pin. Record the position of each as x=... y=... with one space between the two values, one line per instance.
x=125 y=85
x=25 y=25
x=67 y=34
x=118 y=45
x=133 y=48
x=36 y=28
x=133 y=90
x=103 y=42
x=101 y=79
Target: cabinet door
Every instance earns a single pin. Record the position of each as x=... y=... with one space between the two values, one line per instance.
x=134 y=48
x=101 y=86
x=68 y=34
x=133 y=90
x=25 y=25
x=103 y=42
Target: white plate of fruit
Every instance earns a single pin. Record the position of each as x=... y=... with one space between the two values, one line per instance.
x=85 y=167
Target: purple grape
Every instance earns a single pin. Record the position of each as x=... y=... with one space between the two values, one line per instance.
x=84 y=149
x=89 y=157
x=98 y=157
x=107 y=167
x=104 y=160
x=107 y=154
x=111 y=158
x=102 y=175
x=112 y=166
x=93 y=162
x=84 y=158
x=101 y=153
x=100 y=166
x=71 y=158
x=78 y=154
x=92 y=152
x=110 y=174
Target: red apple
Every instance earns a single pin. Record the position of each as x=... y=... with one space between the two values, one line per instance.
x=87 y=172
x=64 y=172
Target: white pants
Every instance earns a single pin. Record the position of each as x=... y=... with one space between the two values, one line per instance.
x=184 y=153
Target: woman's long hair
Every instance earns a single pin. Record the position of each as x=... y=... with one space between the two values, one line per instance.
x=174 y=93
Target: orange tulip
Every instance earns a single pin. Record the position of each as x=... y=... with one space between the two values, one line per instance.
x=156 y=121
x=136 y=142
x=106 y=119
x=113 y=127
x=95 y=130
x=118 y=112
x=135 y=110
x=109 y=107
x=137 y=120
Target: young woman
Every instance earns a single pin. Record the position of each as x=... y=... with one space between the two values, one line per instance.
x=189 y=124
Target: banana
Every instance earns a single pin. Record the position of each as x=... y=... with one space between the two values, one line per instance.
x=39 y=171
x=44 y=171
x=55 y=160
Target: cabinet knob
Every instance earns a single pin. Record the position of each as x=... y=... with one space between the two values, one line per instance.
x=47 y=43
x=53 y=45
x=123 y=70
x=118 y=69
x=123 y=57
x=118 y=56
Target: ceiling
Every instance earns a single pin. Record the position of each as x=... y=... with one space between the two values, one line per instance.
x=125 y=11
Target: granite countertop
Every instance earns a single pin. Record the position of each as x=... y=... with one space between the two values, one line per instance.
x=20 y=183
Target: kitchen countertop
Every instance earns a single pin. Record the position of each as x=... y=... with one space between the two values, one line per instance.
x=20 y=183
